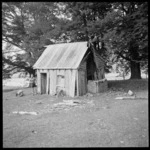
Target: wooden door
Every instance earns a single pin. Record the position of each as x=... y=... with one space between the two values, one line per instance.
x=43 y=83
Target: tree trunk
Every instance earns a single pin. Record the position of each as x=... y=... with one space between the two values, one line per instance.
x=134 y=65
x=135 y=70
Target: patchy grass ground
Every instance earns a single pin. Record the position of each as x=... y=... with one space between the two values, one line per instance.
x=99 y=121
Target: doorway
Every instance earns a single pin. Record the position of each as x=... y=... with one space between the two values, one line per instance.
x=43 y=83
x=90 y=67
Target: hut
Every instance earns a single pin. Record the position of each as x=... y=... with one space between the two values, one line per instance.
x=68 y=67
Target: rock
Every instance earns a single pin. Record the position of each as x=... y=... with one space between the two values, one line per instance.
x=130 y=93
x=19 y=93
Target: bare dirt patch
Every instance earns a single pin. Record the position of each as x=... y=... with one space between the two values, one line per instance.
x=98 y=121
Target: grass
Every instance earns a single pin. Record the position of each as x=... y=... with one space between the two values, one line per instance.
x=107 y=123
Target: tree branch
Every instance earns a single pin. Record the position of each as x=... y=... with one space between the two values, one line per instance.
x=126 y=58
x=9 y=70
x=14 y=64
x=8 y=41
x=123 y=8
x=12 y=51
x=139 y=61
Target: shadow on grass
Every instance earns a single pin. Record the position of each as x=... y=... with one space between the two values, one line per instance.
x=130 y=84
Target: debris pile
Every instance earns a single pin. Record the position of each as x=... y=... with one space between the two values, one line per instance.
x=68 y=104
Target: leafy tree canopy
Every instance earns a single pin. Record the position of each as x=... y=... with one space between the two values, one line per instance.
x=121 y=27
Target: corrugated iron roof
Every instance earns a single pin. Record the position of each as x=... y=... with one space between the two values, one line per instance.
x=62 y=56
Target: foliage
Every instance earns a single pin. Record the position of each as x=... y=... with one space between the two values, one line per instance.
x=121 y=27
x=30 y=26
x=123 y=67
x=127 y=33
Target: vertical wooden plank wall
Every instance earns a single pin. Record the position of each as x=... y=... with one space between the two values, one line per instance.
x=51 y=82
x=77 y=82
x=72 y=81
x=69 y=80
x=66 y=82
x=55 y=81
x=47 y=86
x=38 y=81
x=82 y=78
x=62 y=73
x=82 y=82
x=70 y=76
x=57 y=78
